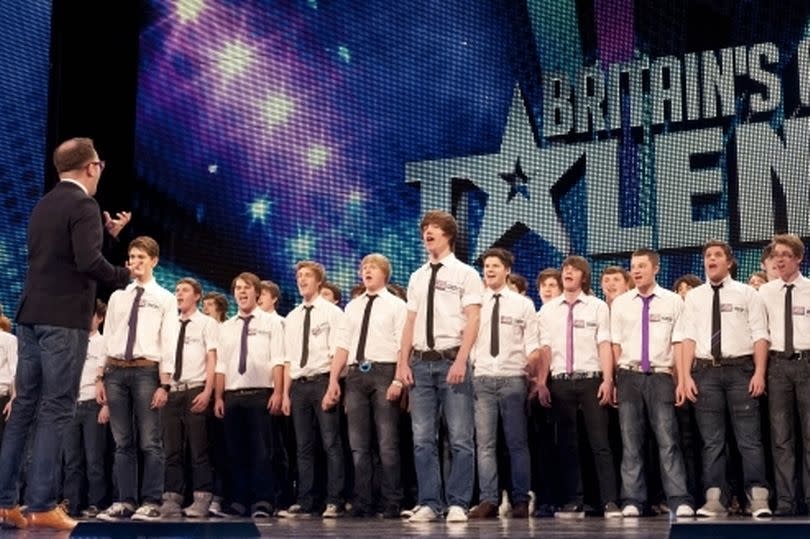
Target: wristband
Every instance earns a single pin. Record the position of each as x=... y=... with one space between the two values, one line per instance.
x=166 y=387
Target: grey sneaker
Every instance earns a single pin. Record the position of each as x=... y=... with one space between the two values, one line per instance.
x=147 y=512
x=170 y=508
x=117 y=511
x=332 y=511
x=215 y=508
x=758 y=501
x=200 y=507
x=713 y=506
x=612 y=510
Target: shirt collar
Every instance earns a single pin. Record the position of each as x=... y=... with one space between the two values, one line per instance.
x=448 y=259
x=317 y=302
x=799 y=279
x=149 y=285
x=656 y=291
x=582 y=297
x=724 y=282
x=76 y=182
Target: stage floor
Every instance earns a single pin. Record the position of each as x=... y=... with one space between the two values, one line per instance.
x=644 y=528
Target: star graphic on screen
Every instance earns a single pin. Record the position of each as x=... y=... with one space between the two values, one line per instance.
x=530 y=171
x=514 y=179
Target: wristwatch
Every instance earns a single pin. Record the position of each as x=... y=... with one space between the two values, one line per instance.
x=166 y=387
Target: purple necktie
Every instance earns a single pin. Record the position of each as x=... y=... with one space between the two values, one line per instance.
x=645 y=333
x=569 y=339
x=243 y=349
x=133 y=323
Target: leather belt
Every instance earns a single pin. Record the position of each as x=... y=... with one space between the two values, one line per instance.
x=312 y=378
x=448 y=354
x=246 y=391
x=799 y=355
x=366 y=366
x=723 y=362
x=186 y=386
x=577 y=376
x=653 y=370
x=131 y=363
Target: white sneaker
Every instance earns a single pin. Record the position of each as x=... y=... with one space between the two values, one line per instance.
x=456 y=514
x=684 y=511
x=713 y=506
x=424 y=514
x=505 y=509
x=630 y=511
x=408 y=513
x=532 y=502
x=758 y=500
x=332 y=511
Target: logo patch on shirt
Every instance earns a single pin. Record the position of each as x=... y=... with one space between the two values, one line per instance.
x=320 y=328
x=506 y=320
x=799 y=310
x=655 y=317
x=579 y=324
x=445 y=286
x=739 y=308
x=726 y=307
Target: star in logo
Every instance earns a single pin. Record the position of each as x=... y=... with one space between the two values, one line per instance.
x=504 y=209
x=514 y=179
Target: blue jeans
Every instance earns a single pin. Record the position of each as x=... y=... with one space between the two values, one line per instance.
x=504 y=396
x=85 y=442
x=48 y=370
x=718 y=388
x=654 y=395
x=429 y=397
x=129 y=393
x=313 y=424
x=369 y=412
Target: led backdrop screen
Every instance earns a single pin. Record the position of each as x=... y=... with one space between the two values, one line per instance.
x=25 y=32
x=324 y=129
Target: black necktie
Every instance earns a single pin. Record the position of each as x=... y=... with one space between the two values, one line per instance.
x=494 y=336
x=305 y=342
x=717 y=342
x=178 y=355
x=243 y=346
x=133 y=323
x=789 y=319
x=434 y=269
x=361 y=344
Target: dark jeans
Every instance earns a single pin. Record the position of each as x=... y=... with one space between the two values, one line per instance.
x=369 y=412
x=689 y=439
x=85 y=444
x=48 y=369
x=218 y=454
x=653 y=395
x=568 y=396
x=247 y=441
x=789 y=391
x=313 y=424
x=186 y=432
x=719 y=387
x=129 y=394
x=3 y=402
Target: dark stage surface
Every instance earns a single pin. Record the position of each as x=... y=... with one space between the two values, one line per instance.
x=645 y=528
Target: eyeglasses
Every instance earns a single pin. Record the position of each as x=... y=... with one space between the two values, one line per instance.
x=101 y=165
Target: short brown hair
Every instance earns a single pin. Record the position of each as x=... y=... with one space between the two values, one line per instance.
x=5 y=323
x=316 y=267
x=101 y=309
x=445 y=221
x=519 y=281
x=381 y=261
x=250 y=278
x=506 y=258
x=271 y=287
x=193 y=283
x=549 y=273
x=726 y=250
x=690 y=279
x=398 y=291
x=651 y=254
x=612 y=270
x=761 y=274
x=145 y=244
x=579 y=262
x=332 y=287
x=221 y=302
x=73 y=154
x=767 y=252
x=792 y=241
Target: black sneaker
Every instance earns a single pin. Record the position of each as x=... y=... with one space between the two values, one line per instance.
x=544 y=510
x=234 y=510
x=391 y=511
x=570 y=511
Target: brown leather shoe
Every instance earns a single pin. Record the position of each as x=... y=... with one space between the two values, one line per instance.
x=55 y=519
x=520 y=510
x=484 y=510
x=12 y=517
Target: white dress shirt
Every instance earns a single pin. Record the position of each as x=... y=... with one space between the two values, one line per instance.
x=95 y=359
x=8 y=360
x=265 y=350
x=517 y=335
x=591 y=327
x=773 y=296
x=156 y=334
x=326 y=325
x=386 y=321
x=743 y=319
x=202 y=336
x=626 y=323
x=457 y=286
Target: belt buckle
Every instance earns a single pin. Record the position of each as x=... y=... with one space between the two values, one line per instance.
x=364 y=366
x=715 y=362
